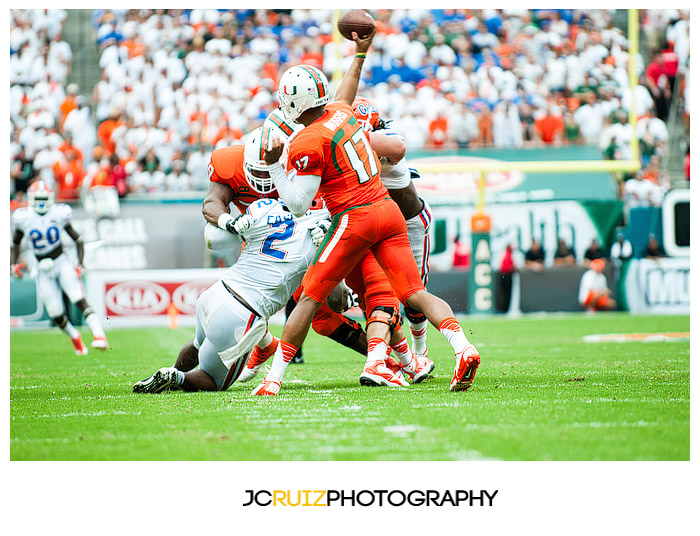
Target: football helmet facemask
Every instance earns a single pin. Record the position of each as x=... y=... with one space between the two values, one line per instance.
x=302 y=87
x=254 y=165
x=40 y=197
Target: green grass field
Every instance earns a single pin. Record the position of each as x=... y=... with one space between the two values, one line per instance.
x=541 y=393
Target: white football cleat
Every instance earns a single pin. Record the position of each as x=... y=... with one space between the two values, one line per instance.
x=267 y=388
x=100 y=342
x=162 y=379
x=418 y=369
x=378 y=373
x=248 y=373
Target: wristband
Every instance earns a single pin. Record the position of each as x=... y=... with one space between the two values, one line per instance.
x=361 y=55
x=223 y=220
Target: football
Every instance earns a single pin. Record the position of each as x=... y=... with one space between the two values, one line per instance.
x=355 y=20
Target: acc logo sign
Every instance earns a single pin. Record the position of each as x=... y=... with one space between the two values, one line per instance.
x=185 y=296
x=137 y=298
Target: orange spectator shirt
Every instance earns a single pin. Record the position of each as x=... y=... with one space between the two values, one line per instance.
x=226 y=167
x=336 y=148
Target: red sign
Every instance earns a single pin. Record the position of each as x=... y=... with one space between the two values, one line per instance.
x=148 y=298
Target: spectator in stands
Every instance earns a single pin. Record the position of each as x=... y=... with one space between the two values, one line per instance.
x=174 y=73
x=653 y=249
x=594 y=293
x=564 y=255
x=549 y=126
x=534 y=257
x=461 y=258
x=463 y=126
x=22 y=173
x=504 y=279
x=593 y=252
x=80 y=126
x=621 y=250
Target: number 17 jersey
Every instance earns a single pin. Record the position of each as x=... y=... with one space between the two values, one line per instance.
x=336 y=148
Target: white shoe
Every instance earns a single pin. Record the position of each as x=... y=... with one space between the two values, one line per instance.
x=267 y=388
x=419 y=368
x=100 y=342
x=248 y=373
x=79 y=346
x=377 y=373
x=162 y=379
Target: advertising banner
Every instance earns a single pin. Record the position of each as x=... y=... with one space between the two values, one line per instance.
x=657 y=285
x=148 y=297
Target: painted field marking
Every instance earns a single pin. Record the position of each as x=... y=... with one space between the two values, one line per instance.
x=639 y=337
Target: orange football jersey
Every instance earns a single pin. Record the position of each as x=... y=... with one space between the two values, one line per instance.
x=335 y=148
x=226 y=167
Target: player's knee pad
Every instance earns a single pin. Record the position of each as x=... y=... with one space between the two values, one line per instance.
x=414 y=315
x=393 y=320
x=347 y=333
x=60 y=320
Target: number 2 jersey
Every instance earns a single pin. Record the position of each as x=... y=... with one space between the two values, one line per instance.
x=43 y=231
x=277 y=252
x=335 y=148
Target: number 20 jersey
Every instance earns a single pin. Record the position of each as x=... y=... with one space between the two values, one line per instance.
x=336 y=148
x=43 y=231
x=277 y=252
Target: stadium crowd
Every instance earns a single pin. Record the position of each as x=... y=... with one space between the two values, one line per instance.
x=176 y=84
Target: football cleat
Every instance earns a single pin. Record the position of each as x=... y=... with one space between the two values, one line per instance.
x=468 y=360
x=418 y=369
x=267 y=388
x=393 y=365
x=100 y=342
x=80 y=348
x=378 y=373
x=256 y=360
x=162 y=379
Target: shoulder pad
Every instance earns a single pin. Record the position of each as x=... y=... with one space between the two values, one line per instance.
x=225 y=162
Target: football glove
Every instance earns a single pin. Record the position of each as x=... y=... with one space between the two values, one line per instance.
x=319 y=230
x=414 y=173
x=240 y=224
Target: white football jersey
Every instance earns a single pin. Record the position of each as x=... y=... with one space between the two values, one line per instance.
x=278 y=250
x=394 y=176
x=43 y=231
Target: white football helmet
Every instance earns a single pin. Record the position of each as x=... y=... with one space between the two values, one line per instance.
x=280 y=125
x=254 y=165
x=40 y=197
x=302 y=87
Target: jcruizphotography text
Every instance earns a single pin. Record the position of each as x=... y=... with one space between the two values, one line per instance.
x=377 y=497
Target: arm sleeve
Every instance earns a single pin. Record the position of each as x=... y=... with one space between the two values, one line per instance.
x=297 y=191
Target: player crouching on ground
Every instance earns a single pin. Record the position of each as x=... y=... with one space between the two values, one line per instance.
x=593 y=293
x=42 y=221
x=231 y=316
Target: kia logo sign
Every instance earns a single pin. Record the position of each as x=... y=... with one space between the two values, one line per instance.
x=185 y=296
x=137 y=298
